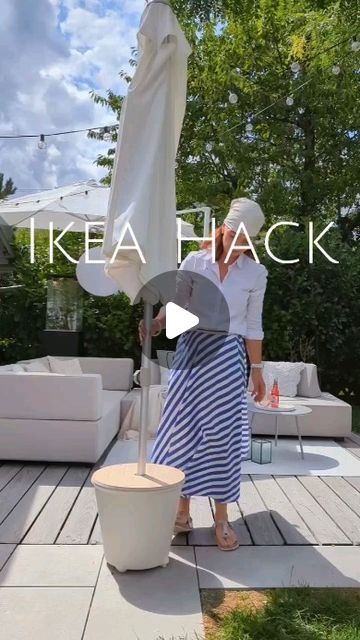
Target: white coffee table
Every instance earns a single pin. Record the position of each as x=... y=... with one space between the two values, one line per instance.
x=300 y=410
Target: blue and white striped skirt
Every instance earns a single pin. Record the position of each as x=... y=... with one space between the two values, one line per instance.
x=204 y=427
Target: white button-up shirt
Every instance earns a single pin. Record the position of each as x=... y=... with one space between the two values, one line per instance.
x=243 y=289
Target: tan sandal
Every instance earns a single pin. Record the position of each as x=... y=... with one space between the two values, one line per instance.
x=183 y=525
x=225 y=534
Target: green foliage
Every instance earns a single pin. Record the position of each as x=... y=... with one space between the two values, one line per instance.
x=312 y=311
x=7 y=187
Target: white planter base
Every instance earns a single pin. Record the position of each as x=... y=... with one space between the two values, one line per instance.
x=137 y=513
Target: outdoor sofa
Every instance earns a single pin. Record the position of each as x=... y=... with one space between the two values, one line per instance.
x=56 y=417
x=47 y=416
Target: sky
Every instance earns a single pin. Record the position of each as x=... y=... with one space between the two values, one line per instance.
x=52 y=54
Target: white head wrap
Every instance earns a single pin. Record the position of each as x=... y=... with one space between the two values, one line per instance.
x=246 y=211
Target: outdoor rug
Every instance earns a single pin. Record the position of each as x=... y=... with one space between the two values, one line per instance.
x=323 y=457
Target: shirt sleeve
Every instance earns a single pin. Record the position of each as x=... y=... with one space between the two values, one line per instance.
x=184 y=281
x=184 y=284
x=255 y=306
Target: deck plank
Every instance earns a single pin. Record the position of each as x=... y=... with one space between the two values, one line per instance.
x=7 y=472
x=48 y=525
x=238 y=522
x=96 y=537
x=348 y=493
x=318 y=521
x=257 y=517
x=79 y=524
x=291 y=525
x=16 y=525
x=17 y=487
x=203 y=519
x=351 y=446
x=354 y=481
x=338 y=511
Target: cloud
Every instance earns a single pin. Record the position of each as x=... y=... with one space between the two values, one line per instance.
x=52 y=53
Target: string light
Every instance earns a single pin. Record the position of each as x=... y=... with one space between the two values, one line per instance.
x=209 y=147
x=42 y=144
x=107 y=137
x=237 y=71
x=336 y=69
x=249 y=127
x=301 y=110
x=59 y=133
x=355 y=45
x=295 y=67
x=289 y=101
x=233 y=98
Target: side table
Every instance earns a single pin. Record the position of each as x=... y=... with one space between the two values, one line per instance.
x=300 y=410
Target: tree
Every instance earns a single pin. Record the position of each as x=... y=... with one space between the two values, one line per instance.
x=299 y=160
x=6 y=189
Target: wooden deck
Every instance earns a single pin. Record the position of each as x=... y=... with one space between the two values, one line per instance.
x=55 y=504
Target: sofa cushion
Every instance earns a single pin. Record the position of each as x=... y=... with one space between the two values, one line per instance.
x=11 y=368
x=69 y=367
x=35 y=367
x=287 y=374
x=44 y=360
x=309 y=384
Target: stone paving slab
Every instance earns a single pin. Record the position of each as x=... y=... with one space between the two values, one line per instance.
x=41 y=613
x=52 y=566
x=273 y=566
x=147 y=605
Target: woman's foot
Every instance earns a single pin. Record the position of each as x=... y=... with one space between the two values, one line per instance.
x=225 y=536
x=183 y=522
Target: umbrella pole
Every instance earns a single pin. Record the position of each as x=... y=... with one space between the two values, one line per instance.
x=145 y=384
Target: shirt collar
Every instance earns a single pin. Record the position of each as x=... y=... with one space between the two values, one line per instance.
x=239 y=262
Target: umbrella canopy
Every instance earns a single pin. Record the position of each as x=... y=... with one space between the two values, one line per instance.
x=79 y=202
x=143 y=182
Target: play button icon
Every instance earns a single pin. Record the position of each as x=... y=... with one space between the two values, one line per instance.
x=178 y=320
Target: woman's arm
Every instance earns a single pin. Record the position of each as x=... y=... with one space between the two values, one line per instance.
x=182 y=294
x=254 y=335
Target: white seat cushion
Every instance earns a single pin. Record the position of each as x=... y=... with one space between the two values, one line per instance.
x=69 y=367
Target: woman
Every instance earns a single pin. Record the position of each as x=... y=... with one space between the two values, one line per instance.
x=204 y=426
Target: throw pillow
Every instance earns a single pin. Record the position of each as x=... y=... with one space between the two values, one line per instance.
x=69 y=367
x=309 y=384
x=33 y=367
x=287 y=374
x=165 y=358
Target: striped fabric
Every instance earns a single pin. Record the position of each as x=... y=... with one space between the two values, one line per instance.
x=204 y=427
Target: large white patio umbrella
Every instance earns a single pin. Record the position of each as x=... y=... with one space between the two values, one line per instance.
x=143 y=182
x=77 y=203
x=74 y=203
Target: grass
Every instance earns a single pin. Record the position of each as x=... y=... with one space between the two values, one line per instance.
x=356 y=419
x=282 y=614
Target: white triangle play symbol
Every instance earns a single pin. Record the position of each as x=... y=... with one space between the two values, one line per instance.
x=178 y=320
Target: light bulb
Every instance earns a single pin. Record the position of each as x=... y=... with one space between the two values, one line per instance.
x=249 y=127
x=295 y=67
x=237 y=71
x=289 y=101
x=209 y=146
x=336 y=69
x=107 y=137
x=233 y=98
x=42 y=144
x=355 y=45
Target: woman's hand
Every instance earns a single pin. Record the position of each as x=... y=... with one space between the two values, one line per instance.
x=156 y=329
x=259 y=387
